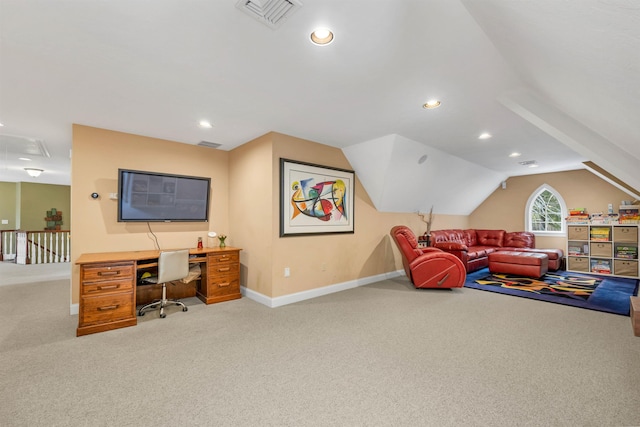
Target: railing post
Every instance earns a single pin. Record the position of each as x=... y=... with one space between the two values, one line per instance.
x=21 y=247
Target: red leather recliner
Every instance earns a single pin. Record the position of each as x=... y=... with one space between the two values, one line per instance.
x=428 y=267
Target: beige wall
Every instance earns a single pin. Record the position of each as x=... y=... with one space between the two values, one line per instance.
x=8 y=194
x=314 y=261
x=245 y=205
x=97 y=155
x=505 y=209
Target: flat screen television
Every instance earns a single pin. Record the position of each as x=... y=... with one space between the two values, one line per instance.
x=162 y=197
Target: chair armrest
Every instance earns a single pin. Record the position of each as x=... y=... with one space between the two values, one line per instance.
x=427 y=250
x=437 y=269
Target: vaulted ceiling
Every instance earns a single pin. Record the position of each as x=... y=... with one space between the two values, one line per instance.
x=557 y=81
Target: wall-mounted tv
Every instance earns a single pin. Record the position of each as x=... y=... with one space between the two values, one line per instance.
x=162 y=197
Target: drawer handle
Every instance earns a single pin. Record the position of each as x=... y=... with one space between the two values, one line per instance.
x=105 y=288
x=224 y=258
x=222 y=285
x=108 y=273
x=222 y=270
x=109 y=307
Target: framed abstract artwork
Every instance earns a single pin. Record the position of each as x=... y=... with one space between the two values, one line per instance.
x=315 y=199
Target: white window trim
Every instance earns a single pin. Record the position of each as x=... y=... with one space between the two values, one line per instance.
x=527 y=212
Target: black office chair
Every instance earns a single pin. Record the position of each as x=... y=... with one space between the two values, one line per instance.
x=172 y=265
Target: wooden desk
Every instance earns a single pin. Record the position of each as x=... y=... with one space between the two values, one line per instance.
x=108 y=284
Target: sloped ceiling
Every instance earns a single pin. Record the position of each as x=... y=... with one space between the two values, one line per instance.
x=557 y=81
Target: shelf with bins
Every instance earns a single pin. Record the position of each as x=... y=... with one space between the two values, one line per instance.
x=603 y=249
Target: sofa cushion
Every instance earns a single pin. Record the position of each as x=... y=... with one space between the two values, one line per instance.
x=470 y=237
x=490 y=237
x=519 y=239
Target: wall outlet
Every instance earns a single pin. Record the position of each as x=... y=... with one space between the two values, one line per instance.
x=323 y=266
x=287 y=272
x=5 y=221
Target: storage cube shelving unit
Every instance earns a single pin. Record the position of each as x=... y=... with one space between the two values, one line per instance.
x=603 y=249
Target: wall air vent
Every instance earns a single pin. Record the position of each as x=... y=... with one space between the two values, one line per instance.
x=528 y=162
x=209 y=144
x=272 y=13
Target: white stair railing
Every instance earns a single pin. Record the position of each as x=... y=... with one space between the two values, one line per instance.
x=8 y=245
x=43 y=247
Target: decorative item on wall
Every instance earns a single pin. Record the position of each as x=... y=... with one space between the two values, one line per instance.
x=54 y=219
x=315 y=199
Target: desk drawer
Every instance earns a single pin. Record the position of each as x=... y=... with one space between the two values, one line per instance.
x=224 y=285
x=224 y=257
x=106 y=287
x=108 y=308
x=230 y=268
x=97 y=272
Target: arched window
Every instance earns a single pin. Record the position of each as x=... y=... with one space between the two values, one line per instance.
x=545 y=212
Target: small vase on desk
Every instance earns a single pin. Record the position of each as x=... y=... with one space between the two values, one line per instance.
x=222 y=239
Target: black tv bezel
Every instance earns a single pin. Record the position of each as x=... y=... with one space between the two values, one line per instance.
x=121 y=172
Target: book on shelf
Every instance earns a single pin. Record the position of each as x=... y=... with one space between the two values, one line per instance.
x=627 y=256
x=601 y=266
x=627 y=252
x=600 y=234
x=577 y=219
x=577 y=211
x=602 y=218
x=629 y=214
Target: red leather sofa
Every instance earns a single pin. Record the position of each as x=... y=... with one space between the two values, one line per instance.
x=427 y=267
x=473 y=246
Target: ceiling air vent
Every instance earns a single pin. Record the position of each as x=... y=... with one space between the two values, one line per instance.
x=270 y=12
x=209 y=144
x=22 y=145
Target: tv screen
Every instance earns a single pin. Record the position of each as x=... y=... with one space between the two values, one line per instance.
x=161 y=197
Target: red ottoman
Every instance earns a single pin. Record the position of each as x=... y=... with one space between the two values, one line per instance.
x=555 y=257
x=528 y=264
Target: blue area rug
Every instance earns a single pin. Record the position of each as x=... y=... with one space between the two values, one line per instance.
x=593 y=292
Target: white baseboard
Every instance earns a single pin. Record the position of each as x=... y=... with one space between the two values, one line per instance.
x=314 y=293
x=300 y=296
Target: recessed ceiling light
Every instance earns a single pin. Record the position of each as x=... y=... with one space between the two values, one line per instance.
x=433 y=103
x=205 y=124
x=527 y=162
x=1 y=125
x=484 y=135
x=534 y=165
x=24 y=158
x=321 y=36
x=515 y=154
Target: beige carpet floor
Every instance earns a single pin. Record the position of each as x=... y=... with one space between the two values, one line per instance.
x=379 y=355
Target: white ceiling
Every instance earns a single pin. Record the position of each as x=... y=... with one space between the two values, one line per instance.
x=558 y=81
